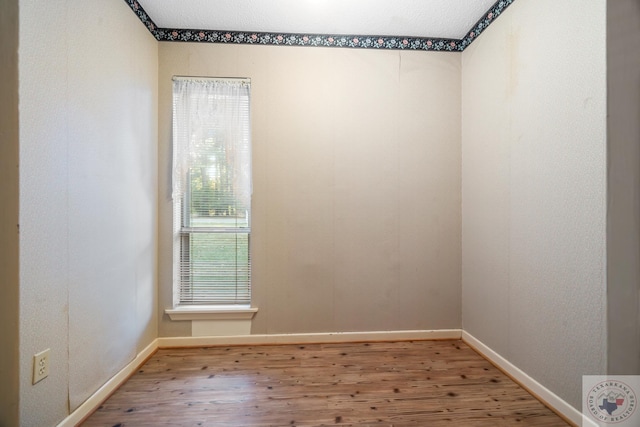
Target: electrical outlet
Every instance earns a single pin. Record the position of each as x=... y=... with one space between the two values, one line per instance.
x=41 y=366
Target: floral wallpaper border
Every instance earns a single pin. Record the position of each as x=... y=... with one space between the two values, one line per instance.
x=492 y=14
x=143 y=17
x=321 y=40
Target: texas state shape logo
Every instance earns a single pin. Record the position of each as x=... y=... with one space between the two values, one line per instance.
x=611 y=402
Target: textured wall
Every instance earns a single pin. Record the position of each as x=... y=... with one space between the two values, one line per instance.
x=533 y=190
x=623 y=220
x=88 y=170
x=9 y=273
x=44 y=256
x=356 y=220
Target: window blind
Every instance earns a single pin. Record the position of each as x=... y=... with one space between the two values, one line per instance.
x=212 y=191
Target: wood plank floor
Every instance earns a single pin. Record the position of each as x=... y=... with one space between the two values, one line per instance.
x=419 y=383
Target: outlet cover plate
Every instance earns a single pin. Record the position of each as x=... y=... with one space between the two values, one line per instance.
x=41 y=366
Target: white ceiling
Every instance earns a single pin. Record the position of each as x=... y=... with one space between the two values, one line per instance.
x=414 y=18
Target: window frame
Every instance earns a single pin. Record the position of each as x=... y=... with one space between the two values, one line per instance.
x=183 y=230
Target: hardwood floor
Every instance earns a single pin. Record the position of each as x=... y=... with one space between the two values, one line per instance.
x=418 y=383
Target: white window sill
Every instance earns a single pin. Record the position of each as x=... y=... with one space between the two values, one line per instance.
x=204 y=312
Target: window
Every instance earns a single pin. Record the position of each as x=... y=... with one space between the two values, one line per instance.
x=211 y=191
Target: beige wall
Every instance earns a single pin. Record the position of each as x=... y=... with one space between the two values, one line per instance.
x=356 y=207
x=88 y=170
x=623 y=227
x=9 y=272
x=533 y=190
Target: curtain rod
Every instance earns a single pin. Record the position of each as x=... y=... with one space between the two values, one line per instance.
x=233 y=79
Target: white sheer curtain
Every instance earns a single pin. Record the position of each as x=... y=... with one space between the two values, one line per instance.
x=206 y=108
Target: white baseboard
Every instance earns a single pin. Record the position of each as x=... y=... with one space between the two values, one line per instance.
x=547 y=396
x=553 y=401
x=440 y=334
x=96 y=399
